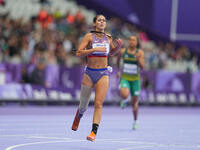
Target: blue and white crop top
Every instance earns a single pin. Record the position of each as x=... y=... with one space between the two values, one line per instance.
x=96 y=42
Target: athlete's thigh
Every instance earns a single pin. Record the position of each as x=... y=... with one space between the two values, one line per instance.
x=135 y=88
x=87 y=81
x=101 y=88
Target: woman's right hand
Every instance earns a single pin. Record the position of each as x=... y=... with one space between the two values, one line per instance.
x=99 y=49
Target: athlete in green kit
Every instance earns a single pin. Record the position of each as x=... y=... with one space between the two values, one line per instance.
x=133 y=61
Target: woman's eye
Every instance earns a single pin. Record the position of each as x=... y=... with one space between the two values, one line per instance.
x=101 y=20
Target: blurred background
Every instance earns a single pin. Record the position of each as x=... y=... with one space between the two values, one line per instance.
x=37 y=39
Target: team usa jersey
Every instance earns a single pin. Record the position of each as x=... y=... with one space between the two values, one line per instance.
x=97 y=42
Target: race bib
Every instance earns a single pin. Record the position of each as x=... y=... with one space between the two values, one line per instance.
x=106 y=45
x=130 y=68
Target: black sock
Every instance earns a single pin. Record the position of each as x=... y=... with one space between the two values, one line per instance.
x=95 y=127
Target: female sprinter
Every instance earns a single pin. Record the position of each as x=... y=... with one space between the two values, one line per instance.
x=96 y=46
x=133 y=60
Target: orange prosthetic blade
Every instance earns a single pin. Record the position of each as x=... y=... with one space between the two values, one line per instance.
x=76 y=121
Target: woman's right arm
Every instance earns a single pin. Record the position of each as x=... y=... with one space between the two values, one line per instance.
x=84 y=43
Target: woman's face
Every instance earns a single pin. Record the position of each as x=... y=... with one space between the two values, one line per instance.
x=100 y=23
x=133 y=41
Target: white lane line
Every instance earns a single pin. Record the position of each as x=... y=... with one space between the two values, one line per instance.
x=117 y=140
x=14 y=135
x=45 y=137
x=48 y=142
x=181 y=146
x=25 y=135
x=68 y=140
x=28 y=129
x=36 y=143
x=136 y=147
x=135 y=142
x=161 y=145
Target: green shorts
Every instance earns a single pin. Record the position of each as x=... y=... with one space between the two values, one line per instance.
x=133 y=86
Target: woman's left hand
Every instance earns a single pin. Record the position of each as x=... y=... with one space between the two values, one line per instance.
x=119 y=43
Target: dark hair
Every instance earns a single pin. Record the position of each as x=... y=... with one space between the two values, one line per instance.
x=138 y=40
x=95 y=18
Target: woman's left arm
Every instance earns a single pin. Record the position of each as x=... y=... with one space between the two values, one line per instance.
x=114 y=49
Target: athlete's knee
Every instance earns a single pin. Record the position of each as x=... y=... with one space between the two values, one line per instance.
x=82 y=109
x=124 y=94
x=98 y=105
x=135 y=101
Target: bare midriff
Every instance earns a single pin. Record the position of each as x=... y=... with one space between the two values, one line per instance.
x=97 y=62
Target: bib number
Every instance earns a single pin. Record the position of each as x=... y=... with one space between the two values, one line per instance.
x=106 y=45
x=130 y=69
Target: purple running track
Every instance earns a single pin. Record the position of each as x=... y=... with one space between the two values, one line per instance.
x=49 y=128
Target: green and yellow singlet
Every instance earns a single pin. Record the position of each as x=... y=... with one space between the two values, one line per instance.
x=130 y=67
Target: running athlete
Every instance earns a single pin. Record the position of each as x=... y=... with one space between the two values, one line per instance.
x=133 y=60
x=96 y=46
